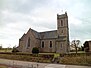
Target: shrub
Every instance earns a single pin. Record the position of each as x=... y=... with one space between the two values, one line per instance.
x=35 y=50
x=15 y=50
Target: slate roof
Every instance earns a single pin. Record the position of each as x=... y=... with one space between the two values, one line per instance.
x=22 y=37
x=45 y=35
x=48 y=34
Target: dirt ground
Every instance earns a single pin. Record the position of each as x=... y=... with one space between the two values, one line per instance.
x=6 y=66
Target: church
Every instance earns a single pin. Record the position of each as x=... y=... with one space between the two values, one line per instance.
x=56 y=41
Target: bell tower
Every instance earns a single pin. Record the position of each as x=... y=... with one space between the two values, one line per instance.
x=62 y=25
x=62 y=33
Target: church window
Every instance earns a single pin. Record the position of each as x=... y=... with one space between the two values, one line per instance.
x=50 y=44
x=42 y=44
x=28 y=45
x=61 y=22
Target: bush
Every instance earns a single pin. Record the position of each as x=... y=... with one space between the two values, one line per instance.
x=35 y=50
x=15 y=50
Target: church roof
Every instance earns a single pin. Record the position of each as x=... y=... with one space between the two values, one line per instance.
x=45 y=35
x=48 y=34
x=22 y=37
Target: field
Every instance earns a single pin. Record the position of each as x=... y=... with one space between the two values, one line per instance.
x=79 y=59
x=6 y=50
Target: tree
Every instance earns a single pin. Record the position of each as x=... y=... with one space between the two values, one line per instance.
x=75 y=43
x=35 y=50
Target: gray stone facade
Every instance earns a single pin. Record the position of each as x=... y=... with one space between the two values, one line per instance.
x=50 y=41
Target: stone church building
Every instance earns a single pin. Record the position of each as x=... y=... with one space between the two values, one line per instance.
x=56 y=41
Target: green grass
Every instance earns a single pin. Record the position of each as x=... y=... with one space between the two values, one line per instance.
x=31 y=58
x=5 y=50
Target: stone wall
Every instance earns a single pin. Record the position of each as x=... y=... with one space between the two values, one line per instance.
x=23 y=45
x=47 y=47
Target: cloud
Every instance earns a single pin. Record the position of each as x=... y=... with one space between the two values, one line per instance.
x=24 y=6
x=17 y=16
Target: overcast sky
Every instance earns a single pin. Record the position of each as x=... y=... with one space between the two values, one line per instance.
x=17 y=16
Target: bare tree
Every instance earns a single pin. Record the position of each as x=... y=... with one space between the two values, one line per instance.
x=76 y=44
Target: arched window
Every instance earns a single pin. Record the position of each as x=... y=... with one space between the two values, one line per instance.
x=61 y=22
x=42 y=44
x=50 y=44
x=28 y=45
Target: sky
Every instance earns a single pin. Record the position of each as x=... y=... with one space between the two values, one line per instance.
x=17 y=16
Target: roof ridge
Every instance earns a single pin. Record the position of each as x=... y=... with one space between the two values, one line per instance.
x=48 y=31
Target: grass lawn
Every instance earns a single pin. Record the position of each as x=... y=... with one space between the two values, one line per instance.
x=6 y=50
